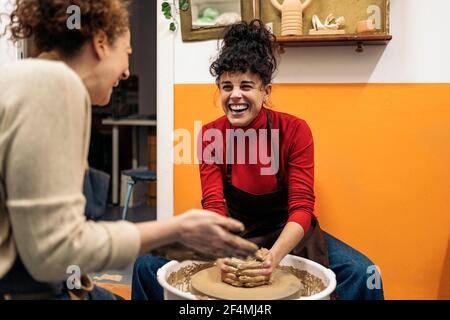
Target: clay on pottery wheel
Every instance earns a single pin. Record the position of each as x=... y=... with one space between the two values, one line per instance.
x=208 y=282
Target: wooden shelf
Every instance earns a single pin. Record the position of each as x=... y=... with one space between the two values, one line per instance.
x=334 y=40
x=358 y=40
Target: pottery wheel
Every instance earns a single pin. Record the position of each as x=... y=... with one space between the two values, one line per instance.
x=208 y=282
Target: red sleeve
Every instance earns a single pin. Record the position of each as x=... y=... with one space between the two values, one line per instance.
x=301 y=176
x=211 y=178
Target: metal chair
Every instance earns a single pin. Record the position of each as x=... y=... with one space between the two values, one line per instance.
x=136 y=176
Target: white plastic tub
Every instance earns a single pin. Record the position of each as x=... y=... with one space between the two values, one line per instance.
x=326 y=275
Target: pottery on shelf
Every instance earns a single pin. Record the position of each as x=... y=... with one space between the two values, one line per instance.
x=291 y=16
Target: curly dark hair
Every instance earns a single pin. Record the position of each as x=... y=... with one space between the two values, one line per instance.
x=247 y=47
x=46 y=22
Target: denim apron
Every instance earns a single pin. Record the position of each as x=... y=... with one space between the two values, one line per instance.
x=265 y=216
x=19 y=284
x=17 y=281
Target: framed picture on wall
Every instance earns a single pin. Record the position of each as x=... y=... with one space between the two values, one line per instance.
x=207 y=19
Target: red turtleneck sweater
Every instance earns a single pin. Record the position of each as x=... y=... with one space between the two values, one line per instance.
x=296 y=165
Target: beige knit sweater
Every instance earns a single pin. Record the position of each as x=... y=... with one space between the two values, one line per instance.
x=44 y=138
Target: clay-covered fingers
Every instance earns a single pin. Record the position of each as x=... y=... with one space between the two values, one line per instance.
x=224 y=266
x=234 y=283
x=233 y=262
x=243 y=273
x=228 y=276
x=258 y=279
x=228 y=269
x=250 y=265
x=254 y=281
x=255 y=272
x=243 y=265
x=261 y=254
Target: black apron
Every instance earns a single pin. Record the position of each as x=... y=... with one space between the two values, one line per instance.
x=265 y=216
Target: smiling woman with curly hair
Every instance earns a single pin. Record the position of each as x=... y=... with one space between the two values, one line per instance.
x=45 y=109
x=274 y=196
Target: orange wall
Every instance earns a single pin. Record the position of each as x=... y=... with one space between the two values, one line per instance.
x=382 y=172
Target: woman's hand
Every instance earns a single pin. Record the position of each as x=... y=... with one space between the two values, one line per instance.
x=227 y=271
x=208 y=232
x=241 y=273
x=269 y=264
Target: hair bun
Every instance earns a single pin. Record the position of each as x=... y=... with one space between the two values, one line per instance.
x=245 y=32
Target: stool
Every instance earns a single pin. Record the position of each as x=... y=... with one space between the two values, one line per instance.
x=136 y=176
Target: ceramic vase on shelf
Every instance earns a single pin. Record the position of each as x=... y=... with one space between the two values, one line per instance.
x=291 y=16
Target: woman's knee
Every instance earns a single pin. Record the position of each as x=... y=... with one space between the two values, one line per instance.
x=359 y=278
x=347 y=260
x=148 y=265
x=358 y=269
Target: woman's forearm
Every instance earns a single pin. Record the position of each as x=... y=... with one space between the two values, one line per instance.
x=289 y=238
x=155 y=234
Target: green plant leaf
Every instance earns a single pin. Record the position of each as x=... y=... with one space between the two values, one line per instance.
x=173 y=26
x=167 y=11
x=184 y=5
x=168 y=15
x=165 y=5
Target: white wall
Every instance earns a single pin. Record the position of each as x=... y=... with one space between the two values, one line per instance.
x=419 y=52
x=165 y=113
x=8 y=52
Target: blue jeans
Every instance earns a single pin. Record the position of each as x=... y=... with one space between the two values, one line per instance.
x=352 y=270
x=144 y=285
x=97 y=293
x=20 y=283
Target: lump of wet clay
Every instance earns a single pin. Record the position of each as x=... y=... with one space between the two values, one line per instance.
x=242 y=271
